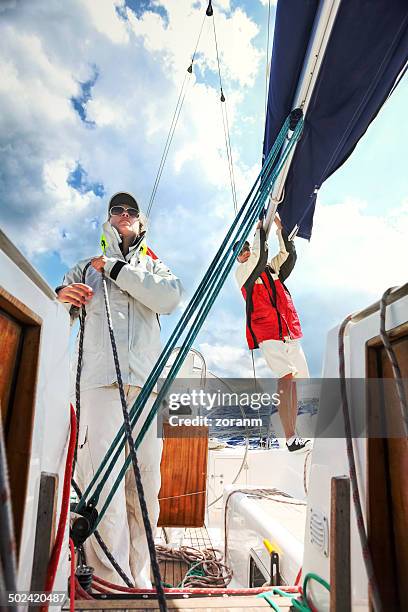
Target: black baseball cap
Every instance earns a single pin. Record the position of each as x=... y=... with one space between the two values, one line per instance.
x=123 y=198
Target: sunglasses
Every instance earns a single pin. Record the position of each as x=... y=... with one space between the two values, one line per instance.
x=119 y=210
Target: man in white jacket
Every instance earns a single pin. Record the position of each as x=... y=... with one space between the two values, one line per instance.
x=140 y=288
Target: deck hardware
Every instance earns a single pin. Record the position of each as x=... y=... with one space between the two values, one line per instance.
x=275 y=574
x=84 y=573
x=319 y=531
x=82 y=524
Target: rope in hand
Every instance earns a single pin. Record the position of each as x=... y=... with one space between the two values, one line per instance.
x=82 y=316
x=138 y=479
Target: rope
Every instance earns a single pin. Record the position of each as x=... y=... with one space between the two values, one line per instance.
x=80 y=592
x=59 y=538
x=224 y=114
x=72 y=577
x=394 y=362
x=205 y=294
x=79 y=368
x=103 y=546
x=256 y=391
x=305 y=487
x=214 y=573
x=128 y=430
x=375 y=595
x=244 y=458
x=192 y=591
x=173 y=125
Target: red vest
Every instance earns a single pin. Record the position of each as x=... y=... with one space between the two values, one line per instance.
x=271 y=314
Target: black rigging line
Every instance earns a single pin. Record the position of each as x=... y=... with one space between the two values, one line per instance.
x=225 y=122
x=174 y=121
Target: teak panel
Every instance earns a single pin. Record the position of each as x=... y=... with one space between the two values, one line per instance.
x=184 y=477
x=388 y=477
x=21 y=402
x=10 y=337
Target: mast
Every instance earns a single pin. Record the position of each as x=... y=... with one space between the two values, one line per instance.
x=322 y=28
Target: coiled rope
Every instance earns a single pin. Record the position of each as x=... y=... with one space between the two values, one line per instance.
x=214 y=573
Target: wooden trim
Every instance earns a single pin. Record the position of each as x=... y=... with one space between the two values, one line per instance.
x=20 y=417
x=17 y=309
x=11 y=251
x=387 y=472
x=394 y=334
x=19 y=436
x=45 y=529
x=340 y=564
x=222 y=604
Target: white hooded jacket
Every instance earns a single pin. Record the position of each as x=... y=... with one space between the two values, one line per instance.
x=140 y=287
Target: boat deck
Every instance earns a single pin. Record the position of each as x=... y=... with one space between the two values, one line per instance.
x=173 y=572
x=221 y=604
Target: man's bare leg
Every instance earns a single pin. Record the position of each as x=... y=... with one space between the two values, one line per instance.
x=288 y=404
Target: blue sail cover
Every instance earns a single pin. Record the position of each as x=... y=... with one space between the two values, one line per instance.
x=366 y=53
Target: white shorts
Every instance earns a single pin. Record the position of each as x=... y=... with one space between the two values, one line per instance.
x=285 y=357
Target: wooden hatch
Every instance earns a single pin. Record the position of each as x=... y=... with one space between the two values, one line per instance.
x=184 y=476
x=20 y=330
x=387 y=478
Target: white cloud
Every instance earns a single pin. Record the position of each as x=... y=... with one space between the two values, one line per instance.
x=239 y=58
x=232 y=361
x=48 y=50
x=106 y=19
x=353 y=248
x=48 y=53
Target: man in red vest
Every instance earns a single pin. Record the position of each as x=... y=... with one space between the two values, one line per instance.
x=272 y=323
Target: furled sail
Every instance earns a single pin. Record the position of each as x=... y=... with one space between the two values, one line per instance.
x=365 y=57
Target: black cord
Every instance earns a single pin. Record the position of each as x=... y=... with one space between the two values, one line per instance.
x=82 y=316
x=139 y=485
x=225 y=122
x=173 y=125
x=104 y=547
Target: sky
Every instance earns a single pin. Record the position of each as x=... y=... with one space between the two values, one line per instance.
x=87 y=95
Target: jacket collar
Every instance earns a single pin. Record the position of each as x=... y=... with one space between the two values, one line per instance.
x=113 y=241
